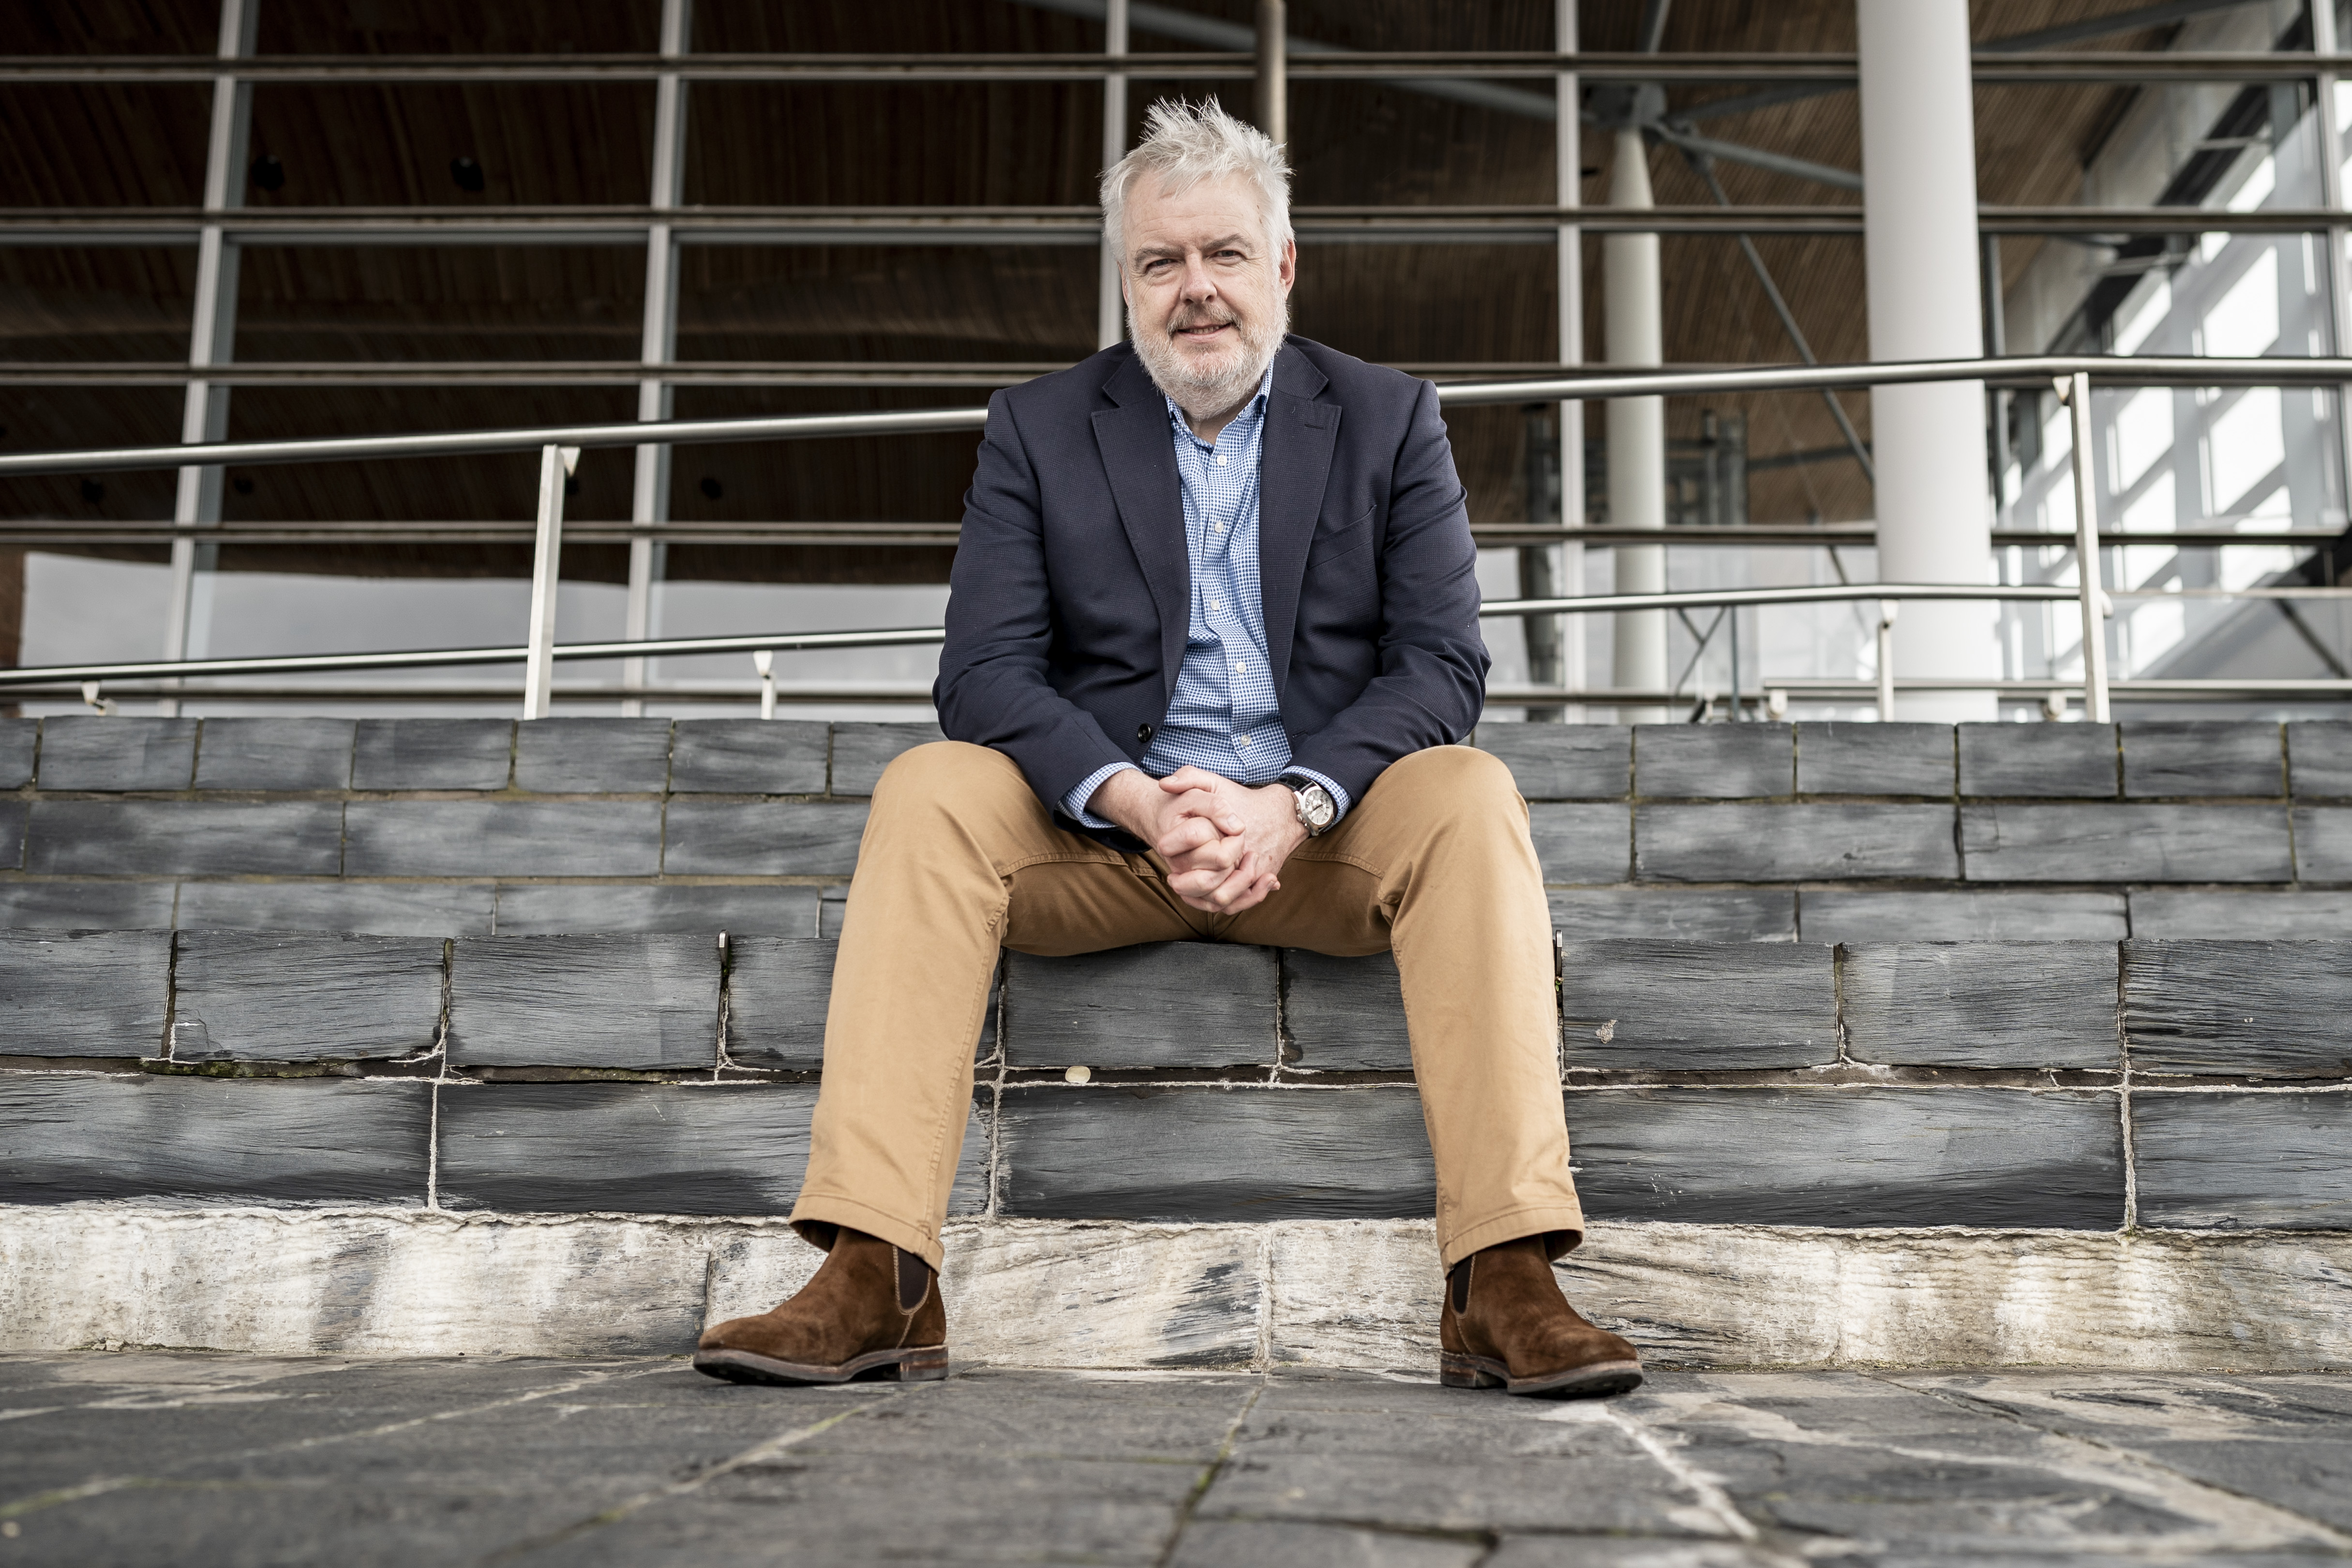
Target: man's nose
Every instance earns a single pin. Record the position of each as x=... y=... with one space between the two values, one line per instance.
x=1198 y=283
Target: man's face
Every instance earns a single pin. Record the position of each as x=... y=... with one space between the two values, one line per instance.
x=1207 y=295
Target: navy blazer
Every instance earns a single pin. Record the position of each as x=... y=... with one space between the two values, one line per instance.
x=1072 y=589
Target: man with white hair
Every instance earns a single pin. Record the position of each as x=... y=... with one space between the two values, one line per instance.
x=1212 y=647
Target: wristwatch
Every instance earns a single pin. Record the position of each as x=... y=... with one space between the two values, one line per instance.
x=1313 y=803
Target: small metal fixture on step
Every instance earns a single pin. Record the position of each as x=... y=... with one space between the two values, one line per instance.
x=1886 y=611
x=2053 y=706
x=90 y=694
x=764 y=661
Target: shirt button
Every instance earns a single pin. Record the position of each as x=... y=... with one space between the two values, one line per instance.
x=1241 y=666
x=1221 y=460
x=1242 y=741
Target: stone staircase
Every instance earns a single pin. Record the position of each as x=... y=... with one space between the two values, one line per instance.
x=1997 y=1044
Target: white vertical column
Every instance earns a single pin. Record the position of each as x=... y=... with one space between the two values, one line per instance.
x=1919 y=221
x=650 y=499
x=1110 y=313
x=211 y=338
x=1637 y=429
x=1568 y=189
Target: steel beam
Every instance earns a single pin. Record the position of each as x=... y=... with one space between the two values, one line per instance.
x=650 y=487
x=919 y=226
x=212 y=338
x=1110 y=300
x=1990 y=66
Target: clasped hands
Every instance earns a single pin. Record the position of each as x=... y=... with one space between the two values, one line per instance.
x=1225 y=842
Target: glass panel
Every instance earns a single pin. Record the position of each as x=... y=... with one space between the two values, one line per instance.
x=448 y=144
x=442 y=304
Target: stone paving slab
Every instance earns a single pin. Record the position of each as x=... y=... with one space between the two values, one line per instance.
x=194 y=1459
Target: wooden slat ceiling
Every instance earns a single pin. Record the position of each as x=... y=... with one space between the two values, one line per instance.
x=983 y=144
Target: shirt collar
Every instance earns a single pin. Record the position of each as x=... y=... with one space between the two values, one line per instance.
x=1253 y=409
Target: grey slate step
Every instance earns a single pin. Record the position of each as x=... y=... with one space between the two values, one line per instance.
x=1164 y=1004
x=1876 y=759
x=92 y=993
x=1815 y=842
x=117 y=754
x=748 y=757
x=275 y=754
x=249 y=996
x=1344 y=1015
x=1703 y=1005
x=591 y=756
x=2039 y=760
x=88 y=905
x=503 y=838
x=2202 y=757
x=2243 y=1161
x=765 y=838
x=377 y=908
x=620 y=1001
x=547 y=909
x=197 y=1142
x=2319 y=759
x=1849 y=1157
x=2276 y=913
x=861 y=751
x=1581 y=842
x=582 y=1148
x=433 y=754
x=1212 y=1154
x=1960 y=914
x=2278 y=1009
x=185 y=838
x=19 y=739
x=1982 y=1004
x=2323 y=843
x=1713 y=762
x=1688 y=913
x=2112 y=843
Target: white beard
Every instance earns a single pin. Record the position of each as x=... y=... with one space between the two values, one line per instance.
x=1204 y=388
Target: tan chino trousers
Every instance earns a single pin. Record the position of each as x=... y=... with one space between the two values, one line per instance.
x=959 y=858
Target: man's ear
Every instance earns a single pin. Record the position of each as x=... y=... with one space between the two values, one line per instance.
x=1287 y=269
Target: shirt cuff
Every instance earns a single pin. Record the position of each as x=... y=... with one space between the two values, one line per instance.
x=1338 y=796
x=1073 y=804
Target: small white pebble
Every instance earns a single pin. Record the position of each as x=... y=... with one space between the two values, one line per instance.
x=1078 y=1075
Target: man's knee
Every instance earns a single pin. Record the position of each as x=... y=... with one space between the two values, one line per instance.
x=943 y=770
x=1461 y=773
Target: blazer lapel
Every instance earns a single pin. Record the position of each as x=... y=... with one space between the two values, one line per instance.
x=1300 y=435
x=1139 y=455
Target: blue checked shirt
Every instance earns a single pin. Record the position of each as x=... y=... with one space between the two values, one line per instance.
x=1223 y=716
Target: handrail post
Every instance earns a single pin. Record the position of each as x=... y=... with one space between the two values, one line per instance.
x=2077 y=393
x=555 y=465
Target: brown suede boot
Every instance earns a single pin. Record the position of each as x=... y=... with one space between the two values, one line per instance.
x=1506 y=1323
x=871 y=1311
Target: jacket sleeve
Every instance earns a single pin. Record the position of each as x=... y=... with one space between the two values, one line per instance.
x=1432 y=659
x=993 y=688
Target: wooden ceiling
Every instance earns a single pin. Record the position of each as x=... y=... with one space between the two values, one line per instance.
x=1354 y=143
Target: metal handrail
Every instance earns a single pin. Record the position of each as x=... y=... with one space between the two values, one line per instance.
x=559 y=447
x=2013 y=371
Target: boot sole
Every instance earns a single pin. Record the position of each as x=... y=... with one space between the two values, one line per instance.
x=924 y=1365
x=1597 y=1380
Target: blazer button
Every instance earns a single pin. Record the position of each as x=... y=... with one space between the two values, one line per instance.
x=1143 y=734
